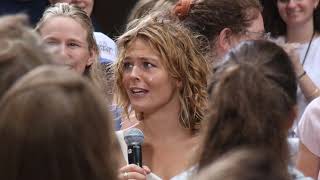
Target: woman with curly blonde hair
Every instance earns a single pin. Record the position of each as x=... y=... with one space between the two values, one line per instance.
x=161 y=78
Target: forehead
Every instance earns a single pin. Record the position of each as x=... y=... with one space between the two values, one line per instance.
x=65 y=25
x=62 y=21
x=141 y=43
x=257 y=24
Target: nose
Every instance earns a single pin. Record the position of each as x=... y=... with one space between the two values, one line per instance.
x=291 y=4
x=63 y=57
x=135 y=73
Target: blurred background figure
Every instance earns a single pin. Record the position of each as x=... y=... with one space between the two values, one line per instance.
x=292 y=21
x=223 y=23
x=308 y=160
x=252 y=96
x=243 y=164
x=144 y=7
x=21 y=50
x=54 y=126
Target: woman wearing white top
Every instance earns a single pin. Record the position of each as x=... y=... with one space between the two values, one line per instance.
x=298 y=21
x=161 y=78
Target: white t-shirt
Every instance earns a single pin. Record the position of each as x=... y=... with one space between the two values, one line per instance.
x=311 y=66
x=309 y=128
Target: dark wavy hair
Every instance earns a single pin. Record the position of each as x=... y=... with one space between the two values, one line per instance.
x=210 y=17
x=252 y=94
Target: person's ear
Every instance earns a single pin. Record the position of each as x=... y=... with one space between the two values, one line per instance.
x=93 y=56
x=224 y=41
x=178 y=83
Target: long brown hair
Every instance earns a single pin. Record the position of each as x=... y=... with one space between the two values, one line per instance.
x=55 y=126
x=252 y=96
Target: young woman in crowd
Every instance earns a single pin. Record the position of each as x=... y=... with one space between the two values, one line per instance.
x=161 y=78
x=291 y=21
x=252 y=103
x=68 y=30
x=106 y=45
x=54 y=126
x=221 y=24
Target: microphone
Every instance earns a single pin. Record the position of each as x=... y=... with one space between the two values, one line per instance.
x=134 y=138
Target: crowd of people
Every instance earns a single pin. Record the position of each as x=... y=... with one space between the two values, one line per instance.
x=220 y=89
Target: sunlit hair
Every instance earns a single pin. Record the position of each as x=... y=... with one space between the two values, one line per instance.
x=252 y=97
x=54 y=125
x=274 y=23
x=210 y=17
x=74 y=12
x=144 y=7
x=20 y=50
x=181 y=56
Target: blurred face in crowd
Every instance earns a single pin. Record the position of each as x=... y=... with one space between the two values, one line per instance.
x=69 y=38
x=86 y=5
x=253 y=32
x=146 y=79
x=256 y=30
x=297 y=12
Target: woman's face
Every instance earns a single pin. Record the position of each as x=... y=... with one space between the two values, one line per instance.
x=296 y=12
x=86 y=5
x=146 y=80
x=66 y=36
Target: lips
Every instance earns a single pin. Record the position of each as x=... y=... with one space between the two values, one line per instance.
x=135 y=91
x=292 y=13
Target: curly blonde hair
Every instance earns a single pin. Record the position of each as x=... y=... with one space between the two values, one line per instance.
x=182 y=57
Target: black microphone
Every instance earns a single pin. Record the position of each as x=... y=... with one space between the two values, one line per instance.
x=134 y=138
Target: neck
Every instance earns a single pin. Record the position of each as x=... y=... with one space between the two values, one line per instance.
x=164 y=123
x=300 y=33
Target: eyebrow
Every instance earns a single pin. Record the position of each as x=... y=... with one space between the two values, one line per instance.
x=150 y=58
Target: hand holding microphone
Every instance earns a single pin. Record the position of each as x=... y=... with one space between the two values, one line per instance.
x=134 y=139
